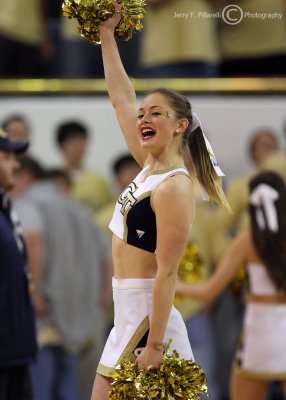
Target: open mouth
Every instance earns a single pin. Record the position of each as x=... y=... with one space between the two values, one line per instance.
x=147 y=133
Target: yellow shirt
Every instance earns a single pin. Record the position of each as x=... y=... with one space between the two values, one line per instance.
x=104 y=215
x=22 y=20
x=254 y=37
x=169 y=36
x=237 y=196
x=90 y=190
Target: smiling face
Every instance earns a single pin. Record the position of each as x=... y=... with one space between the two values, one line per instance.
x=156 y=122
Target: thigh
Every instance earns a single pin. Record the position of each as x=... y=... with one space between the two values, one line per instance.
x=243 y=388
x=101 y=388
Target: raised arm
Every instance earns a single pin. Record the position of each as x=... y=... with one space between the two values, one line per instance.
x=235 y=256
x=119 y=86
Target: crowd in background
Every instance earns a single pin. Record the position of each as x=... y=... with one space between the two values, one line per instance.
x=65 y=211
x=37 y=41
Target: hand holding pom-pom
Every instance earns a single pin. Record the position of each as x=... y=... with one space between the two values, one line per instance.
x=89 y=14
x=176 y=379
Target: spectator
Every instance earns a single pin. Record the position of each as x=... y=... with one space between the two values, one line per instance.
x=247 y=48
x=17 y=333
x=68 y=256
x=23 y=40
x=87 y=60
x=263 y=143
x=88 y=188
x=179 y=46
x=17 y=126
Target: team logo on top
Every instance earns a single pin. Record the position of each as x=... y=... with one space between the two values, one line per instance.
x=126 y=199
x=139 y=233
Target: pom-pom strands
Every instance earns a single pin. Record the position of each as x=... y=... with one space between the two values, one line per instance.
x=176 y=379
x=89 y=13
x=191 y=269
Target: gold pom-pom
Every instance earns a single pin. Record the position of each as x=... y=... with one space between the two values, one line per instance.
x=176 y=379
x=89 y=13
x=191 y=269
x=239 y=283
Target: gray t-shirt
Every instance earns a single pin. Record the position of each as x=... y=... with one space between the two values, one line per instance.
x=75 y=249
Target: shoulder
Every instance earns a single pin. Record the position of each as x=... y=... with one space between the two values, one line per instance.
x=174 y=195
x=25 y=205
x=176 y=185
x=30 y=214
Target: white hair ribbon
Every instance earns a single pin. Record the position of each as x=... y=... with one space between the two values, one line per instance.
x=264 y=196
x=195 y=124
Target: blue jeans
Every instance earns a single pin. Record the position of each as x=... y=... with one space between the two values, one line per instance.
x=54 y=375
x=202 y=341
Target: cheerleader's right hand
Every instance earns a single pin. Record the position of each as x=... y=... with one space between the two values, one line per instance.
x=111 y=23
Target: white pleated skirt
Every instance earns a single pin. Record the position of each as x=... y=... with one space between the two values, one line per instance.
x=132 y=309
x=262 y=350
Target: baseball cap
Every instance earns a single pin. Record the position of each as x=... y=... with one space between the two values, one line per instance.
x=9 y=145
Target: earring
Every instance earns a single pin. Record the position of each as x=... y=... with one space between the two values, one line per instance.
x=177 y=130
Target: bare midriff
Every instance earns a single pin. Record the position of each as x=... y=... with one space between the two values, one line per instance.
x=132 y=262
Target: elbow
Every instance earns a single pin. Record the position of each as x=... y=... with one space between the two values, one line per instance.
x=169 y=277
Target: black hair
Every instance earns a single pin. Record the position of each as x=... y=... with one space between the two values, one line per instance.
x=32 y=166
x=121 y=161
x=70 y=129
x=57 y=173
x=271 y=246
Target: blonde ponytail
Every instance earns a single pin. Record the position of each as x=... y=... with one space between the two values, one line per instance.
x=205 y=171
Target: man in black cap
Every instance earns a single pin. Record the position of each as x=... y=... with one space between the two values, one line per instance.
x=17 y=327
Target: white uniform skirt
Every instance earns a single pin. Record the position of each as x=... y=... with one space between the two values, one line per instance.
x=262 y=350
x=132 y=309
